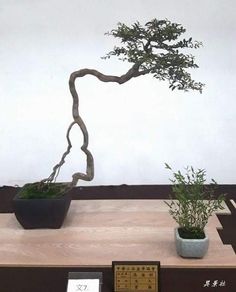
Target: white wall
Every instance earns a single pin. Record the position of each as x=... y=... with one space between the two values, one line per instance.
x=134 y=128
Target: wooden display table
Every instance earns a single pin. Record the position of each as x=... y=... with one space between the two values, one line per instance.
x=97 y=232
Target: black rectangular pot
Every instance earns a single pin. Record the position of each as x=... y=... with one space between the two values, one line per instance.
x=41 y=213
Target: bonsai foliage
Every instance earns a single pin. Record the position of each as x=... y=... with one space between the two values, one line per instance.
x=154 y=48
x=194 y=202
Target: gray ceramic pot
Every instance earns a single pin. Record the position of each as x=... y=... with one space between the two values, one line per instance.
x=191 y=248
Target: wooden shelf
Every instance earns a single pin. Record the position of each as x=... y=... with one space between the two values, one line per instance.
x=97 y=232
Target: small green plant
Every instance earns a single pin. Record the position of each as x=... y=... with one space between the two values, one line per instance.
x=193 y=202
x=41 y=190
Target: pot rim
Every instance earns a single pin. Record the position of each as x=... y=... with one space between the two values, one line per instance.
x=190 y=239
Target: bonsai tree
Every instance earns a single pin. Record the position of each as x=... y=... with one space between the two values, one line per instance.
x=155 y=48
x=194 y=202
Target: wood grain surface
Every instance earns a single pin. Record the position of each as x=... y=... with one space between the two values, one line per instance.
x=97 y=232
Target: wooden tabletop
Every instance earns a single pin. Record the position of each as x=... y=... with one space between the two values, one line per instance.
x=97 y=232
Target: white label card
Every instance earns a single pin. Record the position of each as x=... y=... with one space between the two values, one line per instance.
x=83 y=285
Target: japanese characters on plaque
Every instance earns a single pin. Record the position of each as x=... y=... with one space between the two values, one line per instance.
x=136 y=276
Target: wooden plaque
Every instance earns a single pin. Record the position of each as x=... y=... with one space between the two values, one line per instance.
x=136 y=276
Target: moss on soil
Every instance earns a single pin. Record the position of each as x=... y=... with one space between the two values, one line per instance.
x=39 y=190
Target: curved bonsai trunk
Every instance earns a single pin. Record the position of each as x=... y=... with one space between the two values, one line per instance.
x=77 y=120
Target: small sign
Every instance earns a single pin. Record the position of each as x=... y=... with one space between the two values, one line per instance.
x=136 y=276
x=84 y=282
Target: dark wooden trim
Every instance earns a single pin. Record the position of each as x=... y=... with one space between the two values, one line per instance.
x=137 y=192
x=113 y=192
x=122 y=192
x=228 y=222
x=171 y=279
x=7 y=194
